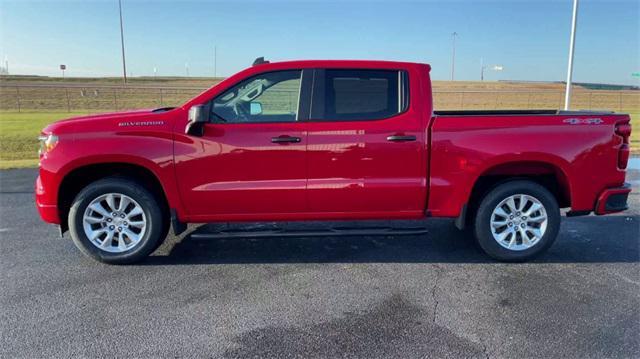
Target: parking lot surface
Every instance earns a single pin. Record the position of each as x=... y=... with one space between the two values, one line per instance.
x=432 y=295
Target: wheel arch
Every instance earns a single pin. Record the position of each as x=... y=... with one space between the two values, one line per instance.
x=548 y=174
x=80 y=176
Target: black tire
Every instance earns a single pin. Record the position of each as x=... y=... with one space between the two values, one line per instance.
x=156 y=224
x=482 y=221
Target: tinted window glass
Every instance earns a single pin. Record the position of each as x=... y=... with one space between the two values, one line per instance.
x=358 y=95
x=268 y=97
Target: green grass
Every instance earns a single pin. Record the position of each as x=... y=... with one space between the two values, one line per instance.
x=19 y=136
x=19 y=132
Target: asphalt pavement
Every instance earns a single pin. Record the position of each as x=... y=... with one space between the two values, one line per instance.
x=433 y=295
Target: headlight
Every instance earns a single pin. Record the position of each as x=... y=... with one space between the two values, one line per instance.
x=47 y=143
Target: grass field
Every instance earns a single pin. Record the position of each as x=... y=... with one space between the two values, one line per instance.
x=40 y=106
x=18 y=137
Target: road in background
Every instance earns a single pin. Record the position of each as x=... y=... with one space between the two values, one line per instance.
x=414 y=296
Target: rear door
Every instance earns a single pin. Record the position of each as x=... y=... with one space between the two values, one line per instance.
x=365 y=148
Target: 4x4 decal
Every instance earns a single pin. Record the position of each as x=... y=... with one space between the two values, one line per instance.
x=583 y=121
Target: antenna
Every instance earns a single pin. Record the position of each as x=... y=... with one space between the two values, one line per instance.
x=259 y=61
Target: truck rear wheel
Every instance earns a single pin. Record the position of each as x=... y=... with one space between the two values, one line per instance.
x=517 y=221
x=116 y=221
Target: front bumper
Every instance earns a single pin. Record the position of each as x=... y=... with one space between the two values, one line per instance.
x=613 y=200
x=48 y=212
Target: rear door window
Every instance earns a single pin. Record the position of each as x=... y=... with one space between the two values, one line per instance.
x=357 y=95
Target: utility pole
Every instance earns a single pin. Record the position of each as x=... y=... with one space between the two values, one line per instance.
x=215 y=61
x=124 y=63
x=453 y=56
x=186 y=67
x=572 y=43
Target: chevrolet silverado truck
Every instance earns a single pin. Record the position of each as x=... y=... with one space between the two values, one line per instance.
x=328 y=140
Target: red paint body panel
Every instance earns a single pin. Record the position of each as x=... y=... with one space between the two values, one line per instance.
x=234 y=169
x=353 y=168
x=90 y=140
x=340 y=169
x=464 y=148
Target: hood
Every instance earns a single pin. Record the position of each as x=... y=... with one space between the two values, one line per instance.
x=101 y=121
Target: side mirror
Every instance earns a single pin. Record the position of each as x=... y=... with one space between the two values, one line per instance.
x=198 y=116
x=255 y=108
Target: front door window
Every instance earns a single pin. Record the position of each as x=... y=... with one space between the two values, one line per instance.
x=268 y=97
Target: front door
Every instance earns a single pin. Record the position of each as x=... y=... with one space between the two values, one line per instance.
x=251 y=159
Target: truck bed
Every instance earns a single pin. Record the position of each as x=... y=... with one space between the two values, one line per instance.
x=517 y=112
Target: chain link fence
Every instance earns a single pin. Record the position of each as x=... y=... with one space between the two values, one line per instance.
x=79 y=98
x=36 y=98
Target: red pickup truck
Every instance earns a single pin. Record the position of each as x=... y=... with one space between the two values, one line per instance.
x=328 y=140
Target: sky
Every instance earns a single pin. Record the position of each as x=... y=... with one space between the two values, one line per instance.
x=530 y=39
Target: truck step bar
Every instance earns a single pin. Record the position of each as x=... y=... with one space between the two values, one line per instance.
x=204 y=233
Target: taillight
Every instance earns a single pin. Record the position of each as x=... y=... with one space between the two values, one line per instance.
x=623 y=130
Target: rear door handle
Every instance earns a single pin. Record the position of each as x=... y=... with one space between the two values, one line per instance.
x=285 y=139
x=398 y=138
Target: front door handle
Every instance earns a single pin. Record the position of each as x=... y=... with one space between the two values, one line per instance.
x=285 y=139
x=398 y=138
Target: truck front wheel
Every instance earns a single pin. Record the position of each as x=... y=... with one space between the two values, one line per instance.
x=517 y=221
x=116 y=221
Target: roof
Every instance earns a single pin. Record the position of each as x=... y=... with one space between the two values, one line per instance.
x=342 y=63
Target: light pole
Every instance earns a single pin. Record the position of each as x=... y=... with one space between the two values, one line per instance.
x=572 y=43
x=215 y=61
x=483 y=67
x=124 y=63
x=453 y=55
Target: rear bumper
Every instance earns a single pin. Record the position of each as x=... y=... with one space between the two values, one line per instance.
x=613 y=200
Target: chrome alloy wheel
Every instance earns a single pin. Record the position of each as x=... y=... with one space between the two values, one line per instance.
x=519 y=222
x=114 y=222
